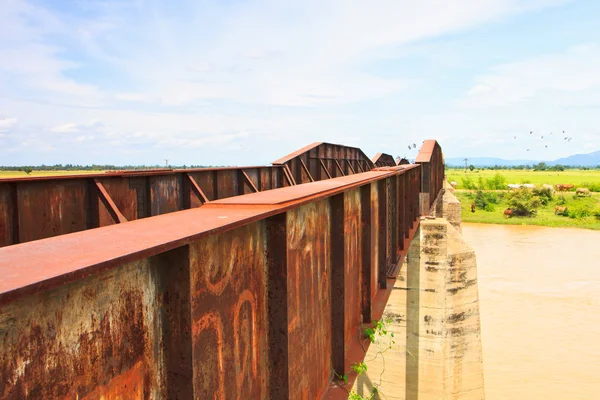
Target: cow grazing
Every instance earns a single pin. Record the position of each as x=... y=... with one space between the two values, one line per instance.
x=453 y=184
x=563 y=187
x=549 y=187
x=507 y=213
x=472 y=207
x=529 y=185
x=561 y=210
x=584 y=192
x=514 y=186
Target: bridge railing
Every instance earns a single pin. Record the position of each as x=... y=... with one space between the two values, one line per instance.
x=321 y=160
x=431 y=159
x=34 y=208
x=254 y=296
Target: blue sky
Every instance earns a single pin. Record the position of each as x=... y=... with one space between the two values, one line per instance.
x=245 y=82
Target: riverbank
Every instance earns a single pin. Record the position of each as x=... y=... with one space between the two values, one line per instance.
x=583 y=211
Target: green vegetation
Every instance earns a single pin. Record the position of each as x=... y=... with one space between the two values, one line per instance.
x=377 y=331
x=582 y=212
x=589 y=178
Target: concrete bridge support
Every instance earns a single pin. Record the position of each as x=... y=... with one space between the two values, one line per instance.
x=434 y=313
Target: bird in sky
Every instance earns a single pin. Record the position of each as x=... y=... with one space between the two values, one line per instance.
x=527 y=149
x=531 y=132
x=542 y=137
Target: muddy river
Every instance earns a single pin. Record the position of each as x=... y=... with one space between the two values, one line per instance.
x=539 y=292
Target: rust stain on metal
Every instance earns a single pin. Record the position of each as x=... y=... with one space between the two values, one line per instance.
x=228 y=281
x=309 y=299
x=76 y=339
x=352 y=264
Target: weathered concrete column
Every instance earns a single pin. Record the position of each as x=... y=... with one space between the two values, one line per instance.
x=443 y=336
x=451 y=210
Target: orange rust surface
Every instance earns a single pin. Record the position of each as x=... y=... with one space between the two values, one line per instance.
x=128 y=385
x=309 y=299
x=76 y=339
x=352 y=264
x=228 y=291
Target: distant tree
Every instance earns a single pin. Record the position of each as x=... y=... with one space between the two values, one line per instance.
x=471 y=167
x=27 y=170
x=540 y=166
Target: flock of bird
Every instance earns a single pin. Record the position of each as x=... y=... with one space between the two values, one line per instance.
x=566 y=138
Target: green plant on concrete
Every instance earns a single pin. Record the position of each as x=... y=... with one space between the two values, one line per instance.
x=378 y=330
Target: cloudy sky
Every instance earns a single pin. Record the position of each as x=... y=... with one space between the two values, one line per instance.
x=239 y=82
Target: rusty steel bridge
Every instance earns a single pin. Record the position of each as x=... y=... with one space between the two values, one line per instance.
x=244 y=282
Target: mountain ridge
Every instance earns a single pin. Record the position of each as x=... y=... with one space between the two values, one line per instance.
x=584 y=160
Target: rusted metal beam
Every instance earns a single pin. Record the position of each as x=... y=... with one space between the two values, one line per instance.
x=360 y=166
x=339 y=167
x=305 y=168
x=196 y=189
x=277 y=270
x=325 y=168
x=109 y=203
x=350 y=166
x=249 y=181
x=208 y=328
x=289 y=176
x=366 y=262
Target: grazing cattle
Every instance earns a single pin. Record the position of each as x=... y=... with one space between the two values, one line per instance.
x=507 y=213
x=563 y=187
x=585 y=192
x=472 y=207
x=514 y=186
x=549 y=187
x=453 y=184
x=561 y=210
x=529 y=185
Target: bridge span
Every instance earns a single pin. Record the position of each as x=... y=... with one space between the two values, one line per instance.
x=245 y=282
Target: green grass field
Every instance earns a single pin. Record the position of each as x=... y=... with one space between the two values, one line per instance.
x=575 y=176
x=21 y=174
x=545 y=215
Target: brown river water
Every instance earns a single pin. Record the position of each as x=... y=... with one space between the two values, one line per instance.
x=539 y=291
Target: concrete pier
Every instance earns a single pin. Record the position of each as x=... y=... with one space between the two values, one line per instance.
x=434 y=312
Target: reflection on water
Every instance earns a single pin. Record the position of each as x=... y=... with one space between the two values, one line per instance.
x=539 y=294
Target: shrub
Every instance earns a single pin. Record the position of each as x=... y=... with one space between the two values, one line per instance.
x=498 y=182
x=486 y=200
x=594 y=187
x=561 y=200
x=545 y=195
x=523 y=202
x=468 y=183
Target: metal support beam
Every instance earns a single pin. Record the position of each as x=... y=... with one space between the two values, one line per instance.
x=196 y=189
x=340 y=168
x=249 y=181
x=325 y=168
x=350 y=166
x=110 y=205
x=305 y=168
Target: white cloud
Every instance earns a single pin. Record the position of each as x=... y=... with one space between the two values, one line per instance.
x=559 y=75
x=6 y=124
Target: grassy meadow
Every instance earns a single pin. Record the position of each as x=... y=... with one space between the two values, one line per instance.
x=582 y=209
x=575 y=176
x=488 y=190
x=22 y=174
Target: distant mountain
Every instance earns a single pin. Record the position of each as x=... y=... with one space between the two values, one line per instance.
x=486 y=161
x=584 y=160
